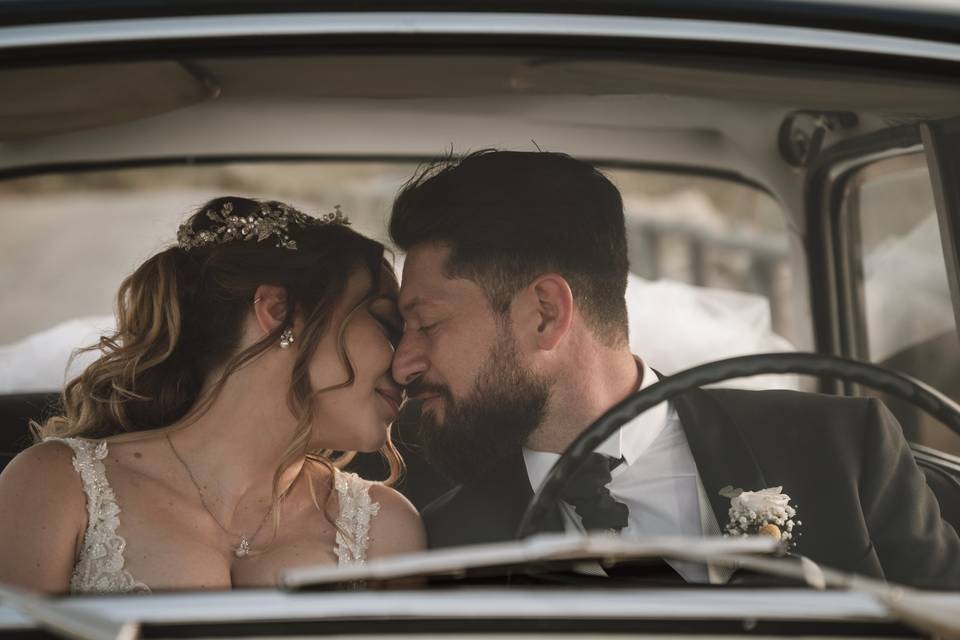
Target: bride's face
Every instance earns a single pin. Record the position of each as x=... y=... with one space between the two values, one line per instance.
x=358 y=417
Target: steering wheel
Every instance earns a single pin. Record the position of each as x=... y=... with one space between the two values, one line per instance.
x=896 y=384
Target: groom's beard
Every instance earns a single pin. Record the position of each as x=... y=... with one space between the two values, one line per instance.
x=507 y=404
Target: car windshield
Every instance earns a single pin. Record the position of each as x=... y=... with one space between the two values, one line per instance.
x=713 y=254
x=735 y=243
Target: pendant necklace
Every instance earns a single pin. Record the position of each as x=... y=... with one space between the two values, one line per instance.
x=243 y=547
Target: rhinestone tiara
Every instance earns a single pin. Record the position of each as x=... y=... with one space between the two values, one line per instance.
x=271 y=220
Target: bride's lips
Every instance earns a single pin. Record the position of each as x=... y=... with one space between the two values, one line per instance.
x=392 y=398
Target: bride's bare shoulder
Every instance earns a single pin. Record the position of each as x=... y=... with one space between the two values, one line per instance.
x=397 y=528
x=41 y=496
x=45 y=471
x=43 y=493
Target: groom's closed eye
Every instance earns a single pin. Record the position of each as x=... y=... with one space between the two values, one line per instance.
x=427 y=329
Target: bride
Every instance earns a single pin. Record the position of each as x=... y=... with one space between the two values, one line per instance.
x=202 y=450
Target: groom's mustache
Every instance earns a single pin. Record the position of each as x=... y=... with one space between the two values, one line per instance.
x=420 y=388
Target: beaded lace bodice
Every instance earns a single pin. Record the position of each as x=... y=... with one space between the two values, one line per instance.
x=99 y=567
x=100 y=561
x=353 y=524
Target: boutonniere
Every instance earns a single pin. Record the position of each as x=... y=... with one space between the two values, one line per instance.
x=766 y=513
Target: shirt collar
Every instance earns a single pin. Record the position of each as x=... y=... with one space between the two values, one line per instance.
x=636 y=436
x=629 y=442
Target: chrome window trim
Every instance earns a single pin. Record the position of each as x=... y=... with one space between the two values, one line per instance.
x=489 y=604
x=844 y=256
x=938 y=139
x=466 y=24
x=853 y=325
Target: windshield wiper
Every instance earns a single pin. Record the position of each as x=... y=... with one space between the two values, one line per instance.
x=64 y=622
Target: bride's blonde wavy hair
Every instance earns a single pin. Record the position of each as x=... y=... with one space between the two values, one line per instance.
x=180 y=318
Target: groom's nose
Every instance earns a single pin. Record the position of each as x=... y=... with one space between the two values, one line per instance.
x=409 y=360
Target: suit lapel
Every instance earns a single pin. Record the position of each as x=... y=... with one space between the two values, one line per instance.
x=722 y=456
x=509 y=492
x=720 y=452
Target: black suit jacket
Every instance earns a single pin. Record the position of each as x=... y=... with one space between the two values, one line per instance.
x=863 y=503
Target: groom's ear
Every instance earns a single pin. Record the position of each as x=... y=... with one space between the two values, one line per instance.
x=550 y=310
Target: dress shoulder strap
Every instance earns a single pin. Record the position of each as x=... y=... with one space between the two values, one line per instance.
x=353 y=523
x=87 y=457
x=100 y=561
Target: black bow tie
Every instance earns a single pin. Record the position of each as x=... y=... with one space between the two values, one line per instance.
x=587 y=492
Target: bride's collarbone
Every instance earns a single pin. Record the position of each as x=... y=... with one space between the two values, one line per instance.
x=172 y=542
x=206 y=559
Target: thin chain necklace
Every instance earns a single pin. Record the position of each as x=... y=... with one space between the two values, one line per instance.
x=243 y=548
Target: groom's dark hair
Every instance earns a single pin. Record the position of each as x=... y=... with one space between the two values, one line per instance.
x=510 y=216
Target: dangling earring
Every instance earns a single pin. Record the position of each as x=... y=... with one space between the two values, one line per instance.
x=286 y=338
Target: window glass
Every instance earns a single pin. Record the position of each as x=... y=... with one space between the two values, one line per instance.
x=68 y=240
x=715 y=261
x=909 y=324
x=711 y=259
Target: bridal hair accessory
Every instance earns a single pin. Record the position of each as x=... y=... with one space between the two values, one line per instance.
x=766 y=513
x=272 y=219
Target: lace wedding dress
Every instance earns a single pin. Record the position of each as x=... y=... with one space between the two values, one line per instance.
x=99 y=567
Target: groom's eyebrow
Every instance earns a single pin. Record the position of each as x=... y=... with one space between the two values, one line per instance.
x=418 y=301
x=410 y=306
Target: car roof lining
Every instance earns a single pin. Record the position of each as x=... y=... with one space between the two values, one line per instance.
x=50 y=100
x=712 y=114
x=466 y=75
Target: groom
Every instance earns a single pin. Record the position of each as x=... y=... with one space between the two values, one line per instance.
x=516 y=340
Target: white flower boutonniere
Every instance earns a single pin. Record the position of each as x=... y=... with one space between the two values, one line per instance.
x=766 y=512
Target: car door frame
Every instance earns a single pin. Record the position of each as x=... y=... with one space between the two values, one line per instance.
x=832 y=251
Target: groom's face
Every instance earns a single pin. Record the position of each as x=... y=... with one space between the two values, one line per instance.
x=479 y=401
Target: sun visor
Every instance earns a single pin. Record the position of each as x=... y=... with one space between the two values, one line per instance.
x=45 y=101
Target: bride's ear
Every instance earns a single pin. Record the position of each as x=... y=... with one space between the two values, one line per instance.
x=269 y=307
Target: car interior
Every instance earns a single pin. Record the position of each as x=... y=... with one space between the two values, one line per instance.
x=831 y=151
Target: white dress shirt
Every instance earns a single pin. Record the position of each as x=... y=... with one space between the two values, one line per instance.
x=658 y=482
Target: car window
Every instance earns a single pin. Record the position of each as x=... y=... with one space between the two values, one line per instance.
x=907 y=319
x=715 y=261
x=712 y=260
